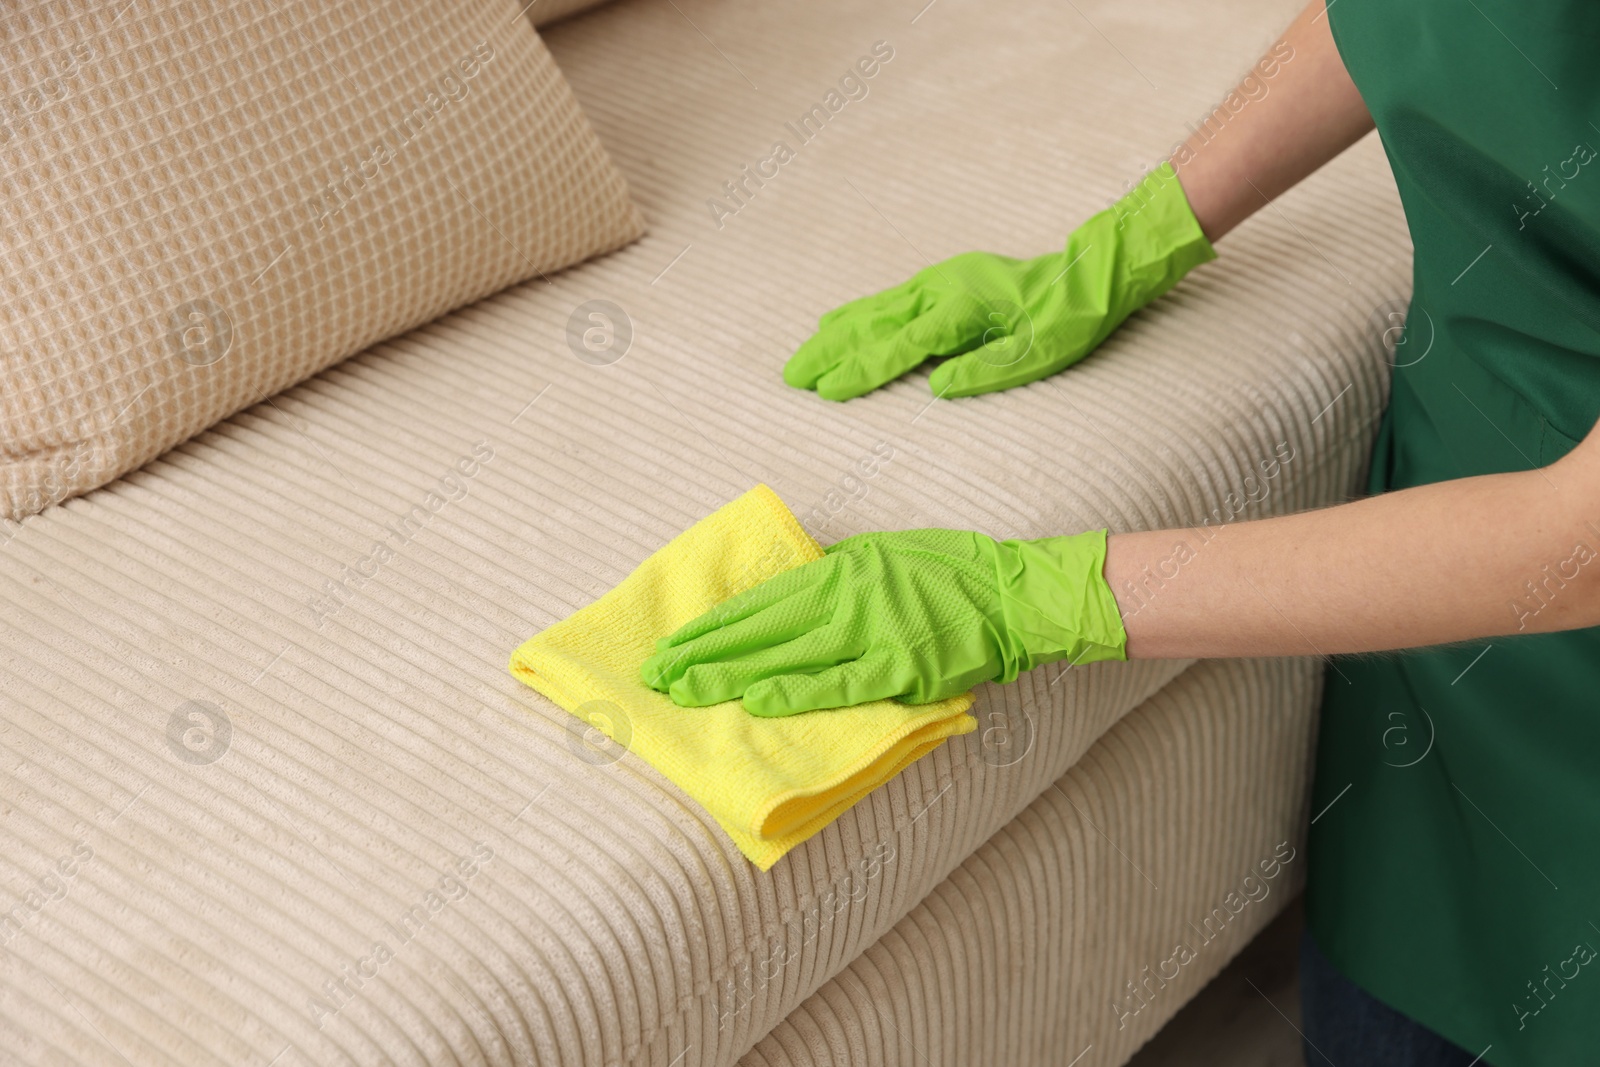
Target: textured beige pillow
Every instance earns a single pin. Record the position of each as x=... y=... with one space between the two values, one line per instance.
x=207 y=202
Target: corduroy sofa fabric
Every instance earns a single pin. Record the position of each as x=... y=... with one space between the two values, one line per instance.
x=1080 y=927
x=208 y=202
x=543 y=12
x=254 y=696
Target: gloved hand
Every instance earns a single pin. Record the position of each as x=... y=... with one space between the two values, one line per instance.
x=917 y=616
x=1016 y=320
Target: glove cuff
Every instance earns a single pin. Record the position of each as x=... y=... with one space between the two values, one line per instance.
x=1056 y=603
x=1157 y=237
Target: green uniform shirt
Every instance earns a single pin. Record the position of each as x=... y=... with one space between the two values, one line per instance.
x=1455 y=848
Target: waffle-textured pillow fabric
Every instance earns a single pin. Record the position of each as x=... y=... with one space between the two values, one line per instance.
x=207 y=202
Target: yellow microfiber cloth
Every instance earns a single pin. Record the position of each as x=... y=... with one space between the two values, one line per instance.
x=770 y=783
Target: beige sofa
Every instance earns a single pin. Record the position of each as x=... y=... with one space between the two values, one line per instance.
x=383 y=849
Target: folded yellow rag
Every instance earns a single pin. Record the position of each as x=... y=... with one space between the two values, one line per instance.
x=770 y=783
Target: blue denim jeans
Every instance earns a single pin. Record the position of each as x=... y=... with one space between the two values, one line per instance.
x=1345 y=1026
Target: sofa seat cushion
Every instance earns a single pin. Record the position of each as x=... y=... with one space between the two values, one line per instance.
x=544 y=12
x=1087 y=921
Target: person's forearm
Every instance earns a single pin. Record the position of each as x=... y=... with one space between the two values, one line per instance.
x=1296 y=110
x=1458 y=560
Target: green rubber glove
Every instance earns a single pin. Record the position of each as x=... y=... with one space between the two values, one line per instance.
x=1016 y=320
x=916 y=616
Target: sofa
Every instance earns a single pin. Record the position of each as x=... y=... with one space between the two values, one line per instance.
x=256 y=813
